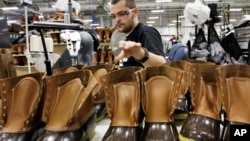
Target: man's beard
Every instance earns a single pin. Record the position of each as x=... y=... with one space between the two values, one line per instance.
x=127 y=28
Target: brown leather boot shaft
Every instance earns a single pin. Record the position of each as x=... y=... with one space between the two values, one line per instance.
x=234 y=80
x=204 y=122
x=159 y=94
x=158 y=101
x=99 y=71
x=67 y=69
x=185 y=80
x=21 y=97
x=69 y=95
x=100 y=32
x=182 y=103
x=122 y=90
x=205 y=95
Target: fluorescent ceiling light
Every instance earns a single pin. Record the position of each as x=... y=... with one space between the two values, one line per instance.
x=152 y=18
x=94 y=24
x=174 y=21
x=157 y=11
x=9 y=8
x=181 y=17
x=150 y=22
x=211 y=0
x=171 y=24
x=232 y=20
x=246 y=16
x=163 y=1
x=235 y=9
x=88 y=20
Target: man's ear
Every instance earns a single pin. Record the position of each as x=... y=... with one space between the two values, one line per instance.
x=136 y=11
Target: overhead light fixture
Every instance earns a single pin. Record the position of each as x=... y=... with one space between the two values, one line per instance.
x=211 y=0
x=235 y=9
x=171 y=24
x=246 y=16
x=90 y=20
x=163 y=1
x=232 y=20
x=94 y=24
x=153 y=18
x=150 y=22
x=157 y=11
x=181 y=17
x=174 y=21
x=9 y=8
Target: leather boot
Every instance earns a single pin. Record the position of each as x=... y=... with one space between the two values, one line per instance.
x=181 y=108
x=203 y=124
x=98 y=95
x=103 y=56
x=100 y=32
x=107 y=34
x=158 y=102
x=68 y=107
x=234 y=81
x=21 y=107
x=122 y=91
x=68 y=69
x=110 y=56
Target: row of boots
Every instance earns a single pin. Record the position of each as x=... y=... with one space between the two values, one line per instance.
x=104 y=56
x=141 y=102
x=105 y=33
x=62 y=107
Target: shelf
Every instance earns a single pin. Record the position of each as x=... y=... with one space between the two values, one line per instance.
x=104 y=44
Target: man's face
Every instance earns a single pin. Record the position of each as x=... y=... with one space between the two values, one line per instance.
x=122 y=17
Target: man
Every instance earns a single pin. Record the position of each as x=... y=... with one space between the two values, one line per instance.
x=143 y=45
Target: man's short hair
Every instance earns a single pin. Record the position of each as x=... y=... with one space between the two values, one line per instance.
x=128 y=3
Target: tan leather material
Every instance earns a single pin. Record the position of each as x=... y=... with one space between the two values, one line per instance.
x=100 y=32
x=185 y=80
x=113 y=93
x=239 y=99
x=67 y=69
x=205 y=94
x=160 y=90
x=103 y=56
x=68 y=102
x=199 y=62
x=234 y=80
x=156 y=96
x=98 y=71
x=126 y=94
x=98 y=93
x=21 y=97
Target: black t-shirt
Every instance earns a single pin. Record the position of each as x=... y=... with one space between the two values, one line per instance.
x=149 y=38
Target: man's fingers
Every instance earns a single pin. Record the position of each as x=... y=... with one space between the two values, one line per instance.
x=120 y=56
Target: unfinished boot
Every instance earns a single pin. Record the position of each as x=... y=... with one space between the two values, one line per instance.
x=21 y=107
x=182 y=104
x=110 y=57
x=98 y=95
x=68 y=107
x=107 y=34
x=234 y=81
x=203 y=124
x=100 y=32
x=122 y=91
x=68 y=69
x=103 y=56
x=160 y=90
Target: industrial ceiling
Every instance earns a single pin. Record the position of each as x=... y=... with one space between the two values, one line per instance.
x=174 y=9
